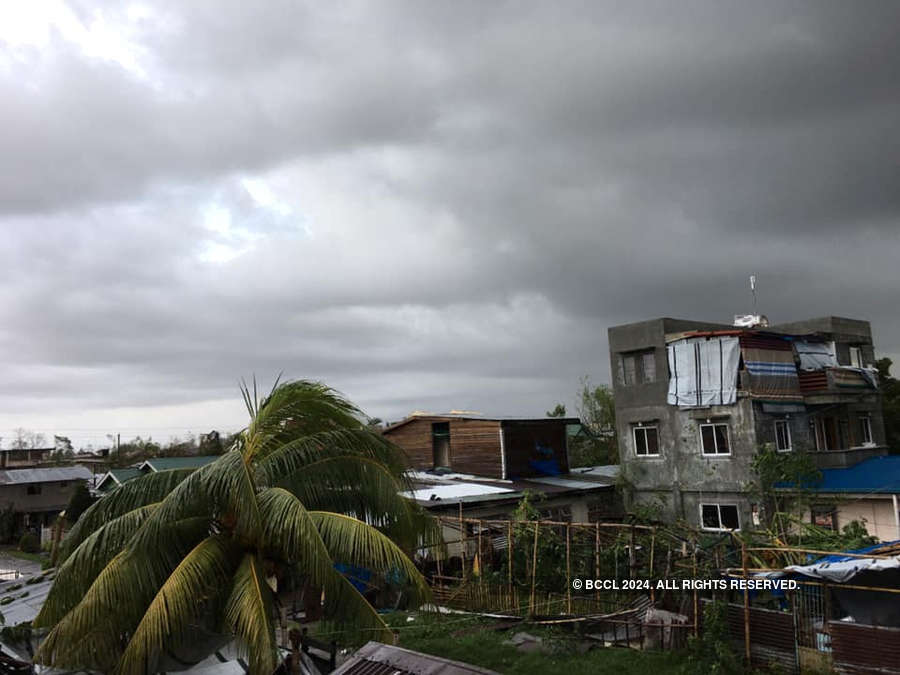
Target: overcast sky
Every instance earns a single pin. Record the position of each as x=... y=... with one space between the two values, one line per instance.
x=425 y=205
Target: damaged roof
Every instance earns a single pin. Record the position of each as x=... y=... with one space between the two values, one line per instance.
x=375 y=658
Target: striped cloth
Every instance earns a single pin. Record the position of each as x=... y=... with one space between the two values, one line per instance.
x=770 y=362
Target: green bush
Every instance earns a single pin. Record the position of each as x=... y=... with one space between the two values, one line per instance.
x=8 y=599
x=30 y=543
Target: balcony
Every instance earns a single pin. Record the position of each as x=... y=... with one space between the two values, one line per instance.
x=833 y=384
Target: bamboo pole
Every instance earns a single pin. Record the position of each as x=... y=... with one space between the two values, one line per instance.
x=746 y=604
x=631 y=556
x=480 y=555
x=534 y=566
x=785 y=549
x=568 y=571
x=696 y=599
x=509 y=560
x=597 y=558
x=462 y=538
x=650 y=573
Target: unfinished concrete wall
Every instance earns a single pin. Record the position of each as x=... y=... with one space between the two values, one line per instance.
x=876 y=513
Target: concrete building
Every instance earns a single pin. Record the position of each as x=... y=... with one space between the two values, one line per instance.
x=696 y=401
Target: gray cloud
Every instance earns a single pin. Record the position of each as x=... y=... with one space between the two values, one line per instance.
x=427 y=205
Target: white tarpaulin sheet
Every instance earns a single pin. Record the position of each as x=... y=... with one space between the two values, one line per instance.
x=815 y=355
x=703 y=371
x=844 y=570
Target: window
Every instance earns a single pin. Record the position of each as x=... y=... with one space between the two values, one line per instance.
x=646 y=441
x=719 y=517
x=856 y=357
x=628 y=369
x=825 y=430
x=865 y=430
x=64 y=484
x=714 y=439
x=824 y=516
x=34 y=489
x=637 y=367
x=648 y=367
x=782 y=435
x=440 y=444
x=558 y=514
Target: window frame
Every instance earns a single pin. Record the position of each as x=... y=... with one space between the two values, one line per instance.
x=644 y=427
x=719 y=505
x=855 y=350
x=713 y=425
x=648 y=356
x=627 y=357
x=865 y=430
x=786 y=425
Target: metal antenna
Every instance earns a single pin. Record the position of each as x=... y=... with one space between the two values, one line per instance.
x=753 y=291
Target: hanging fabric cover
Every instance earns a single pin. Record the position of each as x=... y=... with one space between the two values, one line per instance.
x=770 y=362
x=703 y=371
x=815 y=355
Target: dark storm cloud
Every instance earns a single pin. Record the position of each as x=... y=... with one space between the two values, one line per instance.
x=431 y=205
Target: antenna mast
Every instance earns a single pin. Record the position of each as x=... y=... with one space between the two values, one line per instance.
x=753 y=291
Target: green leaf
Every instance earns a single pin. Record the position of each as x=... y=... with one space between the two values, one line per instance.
x=248 y=614
x=180 y=599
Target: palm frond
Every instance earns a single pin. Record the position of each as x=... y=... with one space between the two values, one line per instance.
x=358 y=487
x=298 y=408
x=291 y=535
x=296 y=454
x=353 y=542
x=222 y=489
x=90 y=636
x=348 y=611
x=147 y=489
x=117 y=598
x=248 y=614
x=180 y=600
x=77 y=573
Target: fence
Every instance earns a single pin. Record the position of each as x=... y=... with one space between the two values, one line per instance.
x=859 y=648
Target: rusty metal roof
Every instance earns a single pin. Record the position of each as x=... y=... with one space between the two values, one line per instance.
x=375 y=658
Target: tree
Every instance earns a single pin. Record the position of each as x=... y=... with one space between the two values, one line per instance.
x=890 y=399
x=170 y=558
x=598 y=442
x=79 y=503
x=26 y=439
x=558 y=411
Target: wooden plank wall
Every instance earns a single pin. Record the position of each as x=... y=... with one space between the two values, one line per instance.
x=474 y=445
x=521 y=439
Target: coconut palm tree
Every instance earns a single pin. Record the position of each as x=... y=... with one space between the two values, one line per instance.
x=182 y=562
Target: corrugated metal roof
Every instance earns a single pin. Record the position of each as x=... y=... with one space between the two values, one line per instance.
x=454 y=491
x=48 y=474
x=603 y=470
x=375 y=658
x=872 y=476
x=566 y=482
